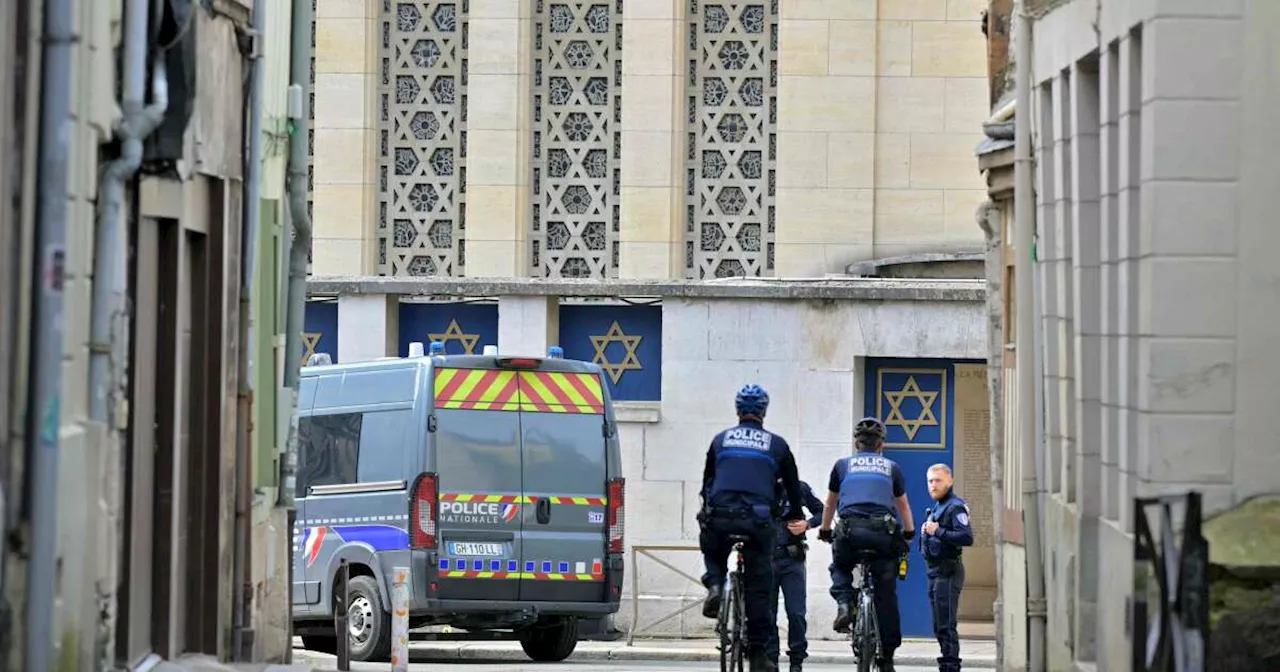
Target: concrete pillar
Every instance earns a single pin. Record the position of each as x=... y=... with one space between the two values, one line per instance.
x=528 y=325
x=368 y=327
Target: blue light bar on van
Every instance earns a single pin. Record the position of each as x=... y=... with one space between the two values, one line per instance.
x=555 y=352
x=437 y=348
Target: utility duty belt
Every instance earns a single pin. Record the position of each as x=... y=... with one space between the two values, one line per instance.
x=796 y=550
x=886 y=523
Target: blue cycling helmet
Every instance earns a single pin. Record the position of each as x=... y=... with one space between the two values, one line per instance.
x=751 y=400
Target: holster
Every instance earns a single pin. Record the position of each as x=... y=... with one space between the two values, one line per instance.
x=945 y=568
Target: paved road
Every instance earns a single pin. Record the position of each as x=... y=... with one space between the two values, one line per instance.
x=427 y=665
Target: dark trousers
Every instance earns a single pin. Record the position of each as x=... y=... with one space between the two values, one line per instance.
x=789 y=579
x=884 y=574
x=944 y=597
x=757 y=564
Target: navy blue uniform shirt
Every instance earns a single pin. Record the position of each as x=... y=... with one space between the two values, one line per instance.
x=812 y=503
x=953 y=533
x=869 y=485
x=743 y=466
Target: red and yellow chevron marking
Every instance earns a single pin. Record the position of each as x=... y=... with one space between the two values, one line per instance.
x=579 y=501
x=487 y=499
x=529 y=576
x=555 y=392
x=477 y=389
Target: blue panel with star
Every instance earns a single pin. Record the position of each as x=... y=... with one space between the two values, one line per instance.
x=320 y=330
x=913 y=403
x=465 y=328
x=625 y=340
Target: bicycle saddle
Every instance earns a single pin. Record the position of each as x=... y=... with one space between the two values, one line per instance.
x=739 y=538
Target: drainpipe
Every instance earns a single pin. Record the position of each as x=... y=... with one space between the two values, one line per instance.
x=1024 y=203
x=58 y=54
x=251 y=215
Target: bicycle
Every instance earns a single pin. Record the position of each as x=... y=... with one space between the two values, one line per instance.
x=865 y=633
x=731 y=623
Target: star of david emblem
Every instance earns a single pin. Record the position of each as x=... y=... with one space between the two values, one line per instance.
x=310 y=340
x=630 y=362
x=911 y=391
x=454 y=333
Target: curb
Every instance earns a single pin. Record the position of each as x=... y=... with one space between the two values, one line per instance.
x=663 y=654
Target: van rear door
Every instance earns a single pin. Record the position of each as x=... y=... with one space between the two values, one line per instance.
x=562 y=434
x=478 y=462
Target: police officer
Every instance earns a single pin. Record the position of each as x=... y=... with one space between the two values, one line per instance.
x=789 y=574
x=869 y=492
x=945 y=531
x=744 y=464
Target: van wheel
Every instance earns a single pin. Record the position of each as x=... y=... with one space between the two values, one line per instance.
x=368 y=622
x=320 y=643
x=552 y=642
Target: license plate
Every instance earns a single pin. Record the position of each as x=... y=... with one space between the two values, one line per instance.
x=475 y=549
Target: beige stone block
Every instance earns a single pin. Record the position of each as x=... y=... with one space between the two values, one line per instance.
x=646 y=260
x=798 y=260
x=893 y=160
x=851 y=160
x=340 y=101
x=944 y=161
x=647 y=159
x=341 y=211
x=341 y=9
x=831 y=104
x=824 y=216
x=853 y=48
x=648 y=215
x=496 y=258
x=966 y=10
x=967 y=103
x=948 y=49
x=494 y=102
x=494 y=213
x=494 y=47
x=653 y=9
x=493 y=158
x=340 y=157
x=656 y=40
x=802 y=160
x=911 y=104
x=340 y=46
x=913 y=10
x=649 y=102
x=337 y=256
x=835 y=10
x=894 y=55
x=961 y=207
x=908 y=214
x=803 y=47
x=500 y=9
x=838 y=256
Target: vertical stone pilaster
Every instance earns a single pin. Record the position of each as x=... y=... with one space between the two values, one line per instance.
x=368 y=327
x=528 y=325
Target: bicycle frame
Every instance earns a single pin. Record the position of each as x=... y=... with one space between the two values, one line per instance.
x=731 y=624
x=867 y=623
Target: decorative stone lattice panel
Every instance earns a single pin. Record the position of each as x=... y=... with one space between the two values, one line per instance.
x=422 y=178
x=577 y=140
x=732 y=141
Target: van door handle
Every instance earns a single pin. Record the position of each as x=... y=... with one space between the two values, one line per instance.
x=544 y=510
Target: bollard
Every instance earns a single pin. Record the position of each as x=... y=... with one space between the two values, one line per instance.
x=400 y=620
x=341 y=604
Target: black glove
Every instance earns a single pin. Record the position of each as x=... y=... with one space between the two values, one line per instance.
x=908 y=534
x=826 y=535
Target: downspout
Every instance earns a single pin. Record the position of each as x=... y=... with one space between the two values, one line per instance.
x=43 y=417
x=251 y=214
x=299 y=250
x=1024 y=203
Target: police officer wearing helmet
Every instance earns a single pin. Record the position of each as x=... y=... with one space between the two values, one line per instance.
x=945 y=532
x=869 y=492
x=790 y=578
x=739 y=498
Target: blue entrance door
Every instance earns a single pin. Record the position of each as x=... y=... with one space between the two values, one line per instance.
x=913 y=397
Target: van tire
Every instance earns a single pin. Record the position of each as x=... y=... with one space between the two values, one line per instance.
x=365 y=603
x=551 y=642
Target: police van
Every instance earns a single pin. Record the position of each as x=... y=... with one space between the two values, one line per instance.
x=496 y=480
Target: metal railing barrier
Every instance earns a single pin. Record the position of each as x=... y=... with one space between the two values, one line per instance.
x=1177 y=639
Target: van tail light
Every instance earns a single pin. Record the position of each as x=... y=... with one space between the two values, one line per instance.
x=423 y=512
x=519 y=363
x=617 y=514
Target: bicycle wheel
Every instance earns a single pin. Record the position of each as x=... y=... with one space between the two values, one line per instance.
x=739 y=625
x=865 y=635
x=727 y=624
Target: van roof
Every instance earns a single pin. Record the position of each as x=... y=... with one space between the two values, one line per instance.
x=452 y=361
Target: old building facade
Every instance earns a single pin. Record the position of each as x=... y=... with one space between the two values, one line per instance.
x=661 y=186
x=1154 y=302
